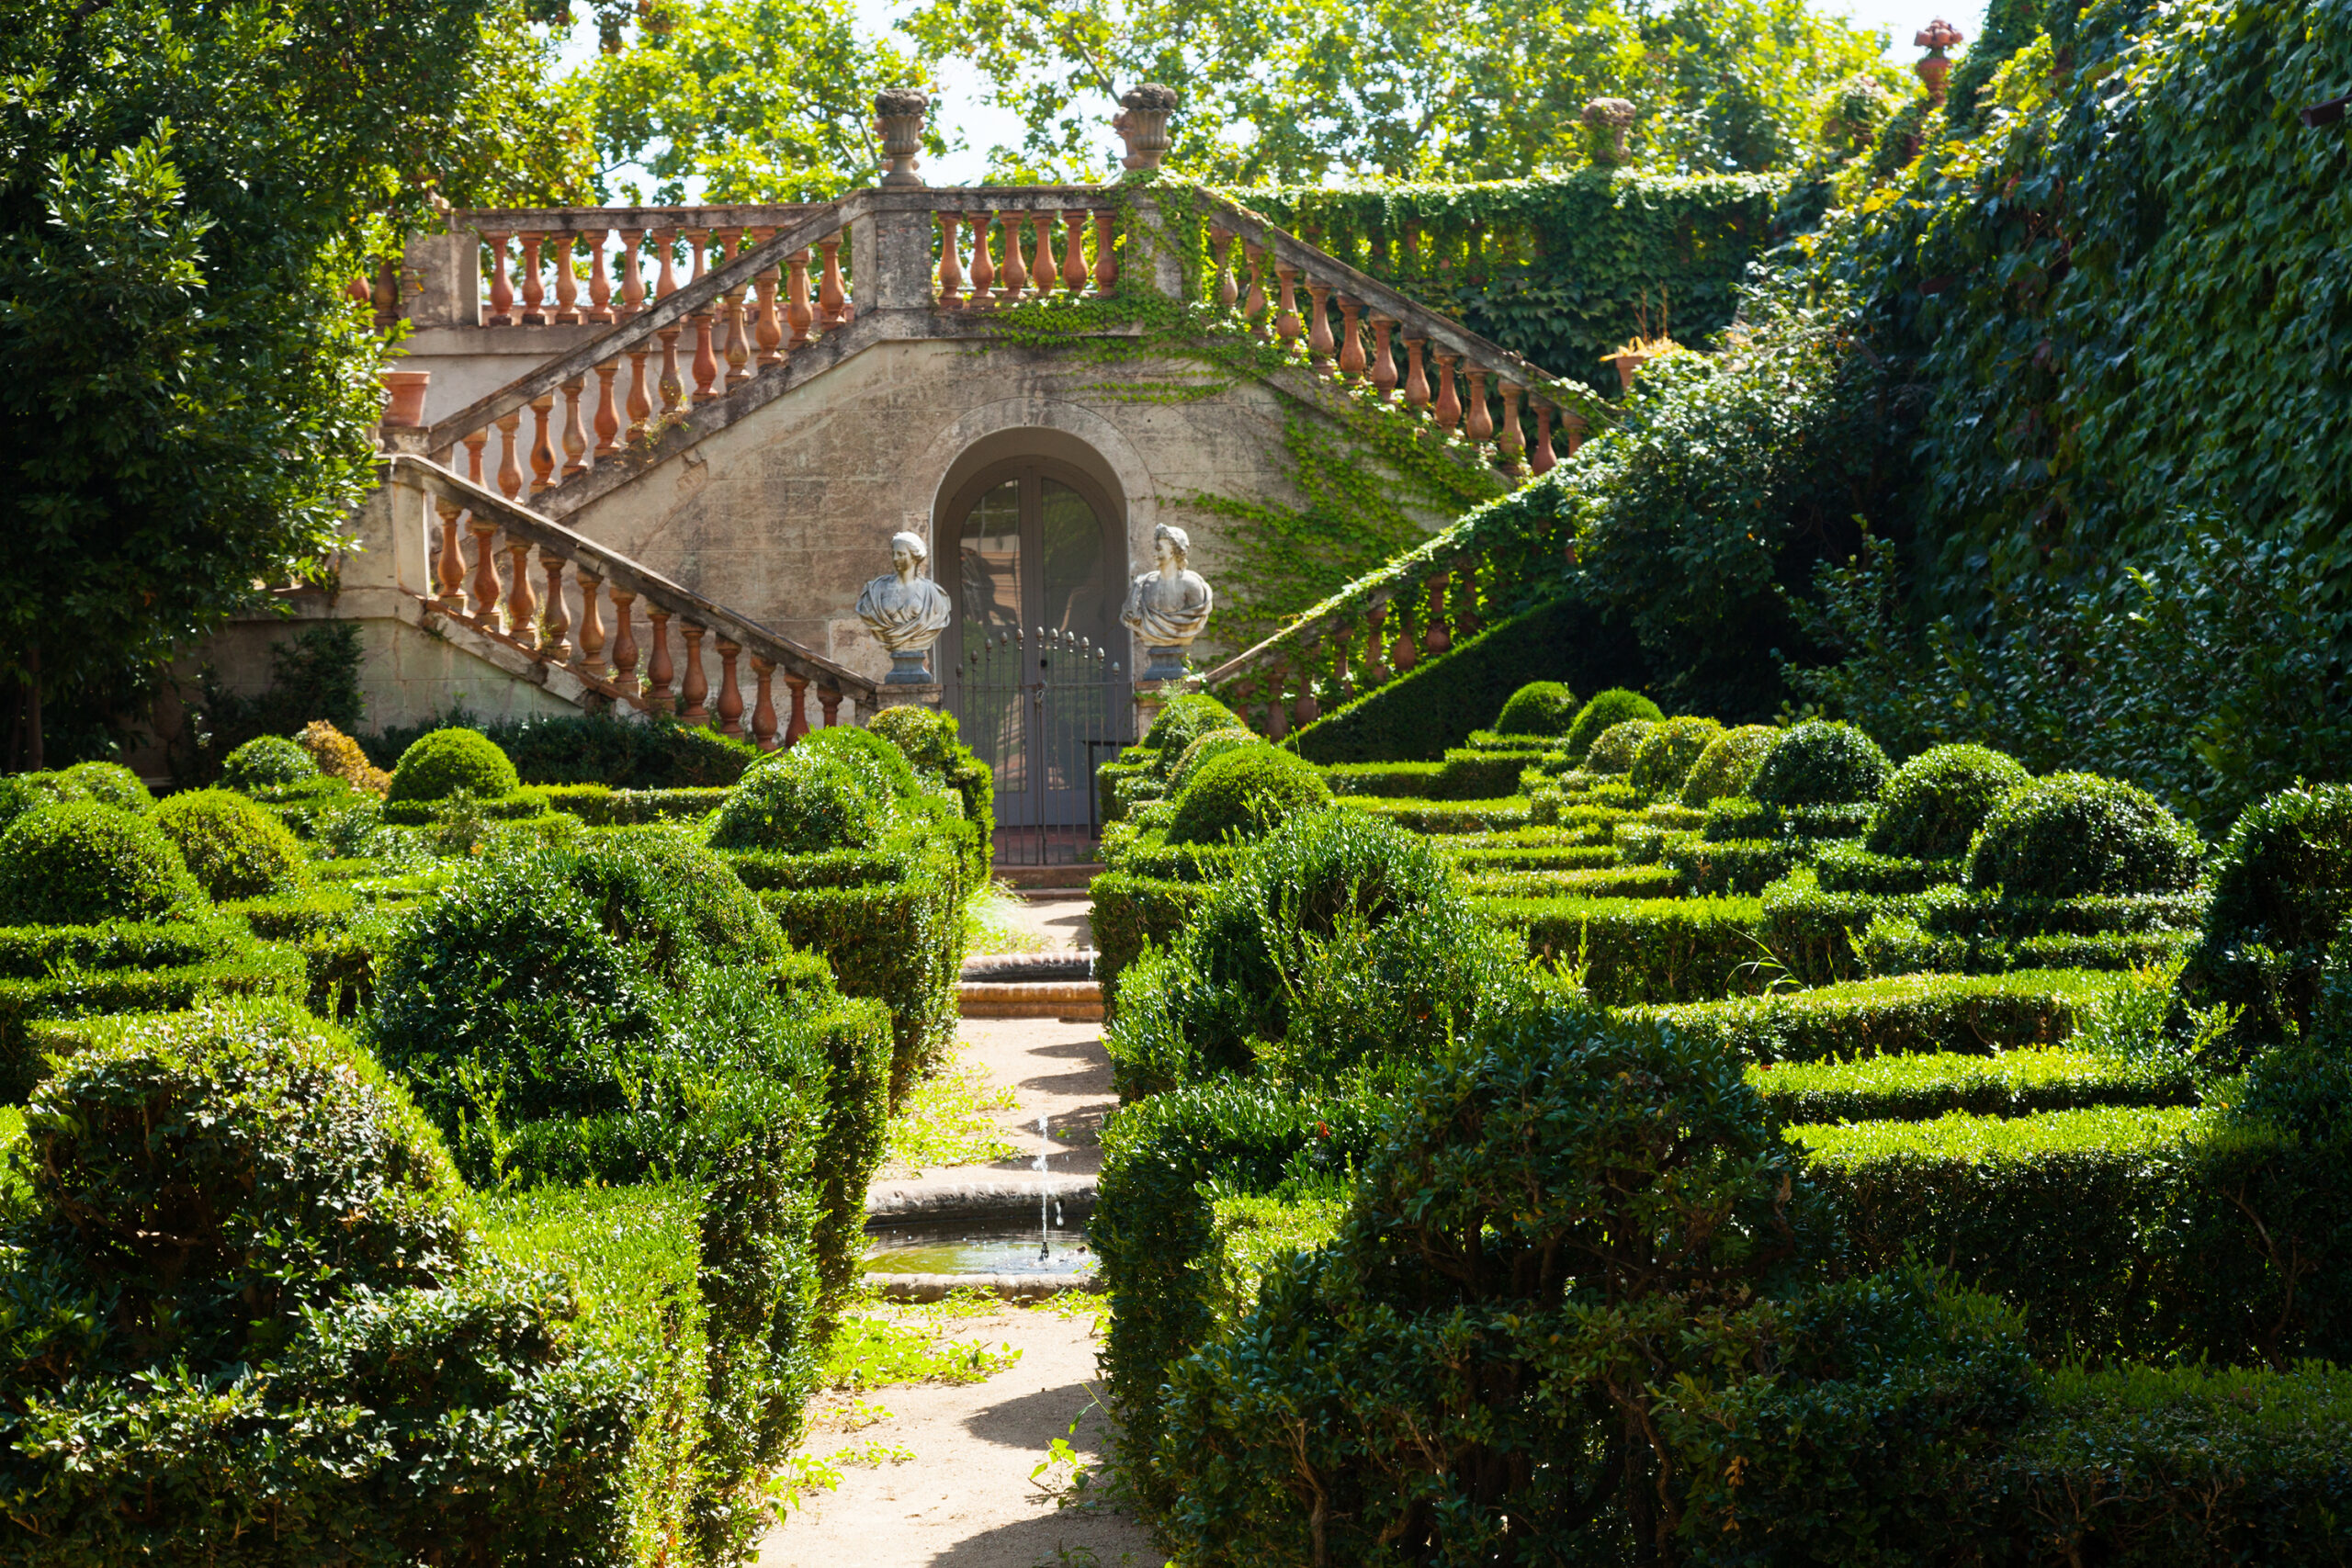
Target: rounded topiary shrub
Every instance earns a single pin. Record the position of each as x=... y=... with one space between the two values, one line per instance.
x=1181 y=722
x=83 y=863
x=2282 y=889
x=1821 y=763
x=1214 y=744
x=2072 y=835
x=674 y=900
x=887 y=774
x=267 y=762
x=1244 y=793
x=233 y=848
x=1934 y=804
x=924 y=737
x=1539 y=707
x=803 y=803
x=108 y=783
x=20 y=793
x=1614 y=750
x=1668 y=752
x=1606 y=710
x=439 y=765
x=1728 y=764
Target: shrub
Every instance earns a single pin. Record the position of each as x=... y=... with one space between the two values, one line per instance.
x=1245 y=792
x=1182 y=721
x=802 y=803
x=108 y=783
x=20 y=793
x=1934 y=804
x=439 y=765
x=1614 y=750
x=1539 y=707
x=1642 y=950
x=233 y=848
x=1606 y=710
x=1214 y=744
x=267 y=762
x=1393 y=780
x=654 y=752
x=929 y=739
x=2282 y=887
x=339 y=756
x=887 y=775
x=1667 y=754
x=1131 y=911
x=2074 y=834
x=2014 y=1083
x=1472 y=774
x=674 y=901
x=78 y=864
x=1728 y=764
x=1820 y=763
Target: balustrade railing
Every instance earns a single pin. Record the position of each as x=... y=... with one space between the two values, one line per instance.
x=563 y=600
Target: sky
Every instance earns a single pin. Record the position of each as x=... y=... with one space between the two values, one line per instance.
x=958 y=101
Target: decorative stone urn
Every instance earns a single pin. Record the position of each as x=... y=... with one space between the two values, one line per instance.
x=1935 y=38
x=898 y=120
x=1167 y=609
x=1608 y=120
x=1142 y=123
x=404 y=396
x=905 y=613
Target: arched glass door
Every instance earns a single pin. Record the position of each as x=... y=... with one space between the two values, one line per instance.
x=1034 y=678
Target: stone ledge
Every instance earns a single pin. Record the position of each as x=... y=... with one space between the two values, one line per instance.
x=1004 y=1287
x=1071 y=1001
x=1006 y=1198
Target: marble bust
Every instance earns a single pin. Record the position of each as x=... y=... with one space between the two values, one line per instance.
x=905 y=613
x=1167 y=608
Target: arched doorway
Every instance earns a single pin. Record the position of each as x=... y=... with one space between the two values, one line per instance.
x=1034 y=660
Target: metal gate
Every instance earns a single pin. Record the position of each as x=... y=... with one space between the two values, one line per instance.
x=1043 y=708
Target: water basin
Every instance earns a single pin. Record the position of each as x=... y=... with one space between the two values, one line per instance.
x=978 y=1246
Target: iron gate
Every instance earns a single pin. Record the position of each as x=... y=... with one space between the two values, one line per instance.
x=1043 y=708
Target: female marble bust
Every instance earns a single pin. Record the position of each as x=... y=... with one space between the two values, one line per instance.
x=905 y=613
x=1167 y=608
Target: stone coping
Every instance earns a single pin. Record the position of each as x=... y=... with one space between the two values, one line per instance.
x=1004 y=1287
x=1005 y=1197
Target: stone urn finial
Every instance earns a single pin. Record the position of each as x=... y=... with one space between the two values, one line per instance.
x=905 y=612
x=898 y=120
x=1142 y=123
x=1608 y=120
x=1935 y=38
x=1167 y=608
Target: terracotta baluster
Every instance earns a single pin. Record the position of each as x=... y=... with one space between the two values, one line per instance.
x=768 y=330
x=1509 y=440
x=501 y=289
x=797 y=725
x=1353 y=364
x=1277 y=710
x=798 y=317
x=829 y=703
x=1253 y=302
x=1107 y=258
x=600 y=278
x=1407 y=651
x=632 y=281
x=1306 y=710
x=592 y=622
x=763 y=707
x=1041 y=265
x=983 y=264
x=706 y=357
x=694 y=688
x=1376 y=648
x=1541 y=460
x=624 y=673
x=641 y=398
x=673 y=384
x=1016 y=266
x=951 y=268
x=555 y=625
x=731 y=692
x=1318 y=328
x=522 y=602
x=1466 y=598
x=832 y=302
x=542 y=451
x=1384 y=365
x=1477 y=419
x=1433 y=638
x=608 y=416
x=575 y=433
x=1572 y=429
x=1287 y=325
x=1417 y=380
x=736 y=345
x=1228 y=290
x=1449 y=406
x=449 y=562
x=657 y=669
x=567 y=281
x=1074 y=253
x=487 y=590
x=534 y=291
x=510 y=472
x=1340 y=667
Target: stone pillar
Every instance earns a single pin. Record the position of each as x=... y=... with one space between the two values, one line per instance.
x=907 y=696
x=890 y=261
x=446 y=273
x=1154 y=257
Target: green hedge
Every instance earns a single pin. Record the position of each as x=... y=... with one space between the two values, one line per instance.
x=1642 y=950
x=1902 y=1015
x=1397 y=781
x=38 y=953
x=1741 y=866
x=1815 y=935
x=600 y=806
x=1180 y=862
x=1481 y=858
x=1598 y=882
x=1921 y=1087
x=1480 y=774
x=1129 y=912
x=254 y=971
x=1446 y=816
x=1850 y=868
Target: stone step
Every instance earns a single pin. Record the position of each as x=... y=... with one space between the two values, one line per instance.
x=1071 y=1001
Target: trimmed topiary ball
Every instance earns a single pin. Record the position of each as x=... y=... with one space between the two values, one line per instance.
x=2072 y=835
x=1614 y=750
x=1728 y=764
x=889 y=776
x=1245 y=792
x=108 y=783
x=2282 y=892
x=803 y=803
x=1216 y=743
x=338 y=756
x=20 y=793
x=233 y=848
x=1606 y=710
x=673 y=901
x=924 y=737
x=1821 y=763
x=79 y=864
x=1668 y=752
x=267 y=762
x=439 y=765
x=1539 y=707
x=1934 y=804
x=1181 y=722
